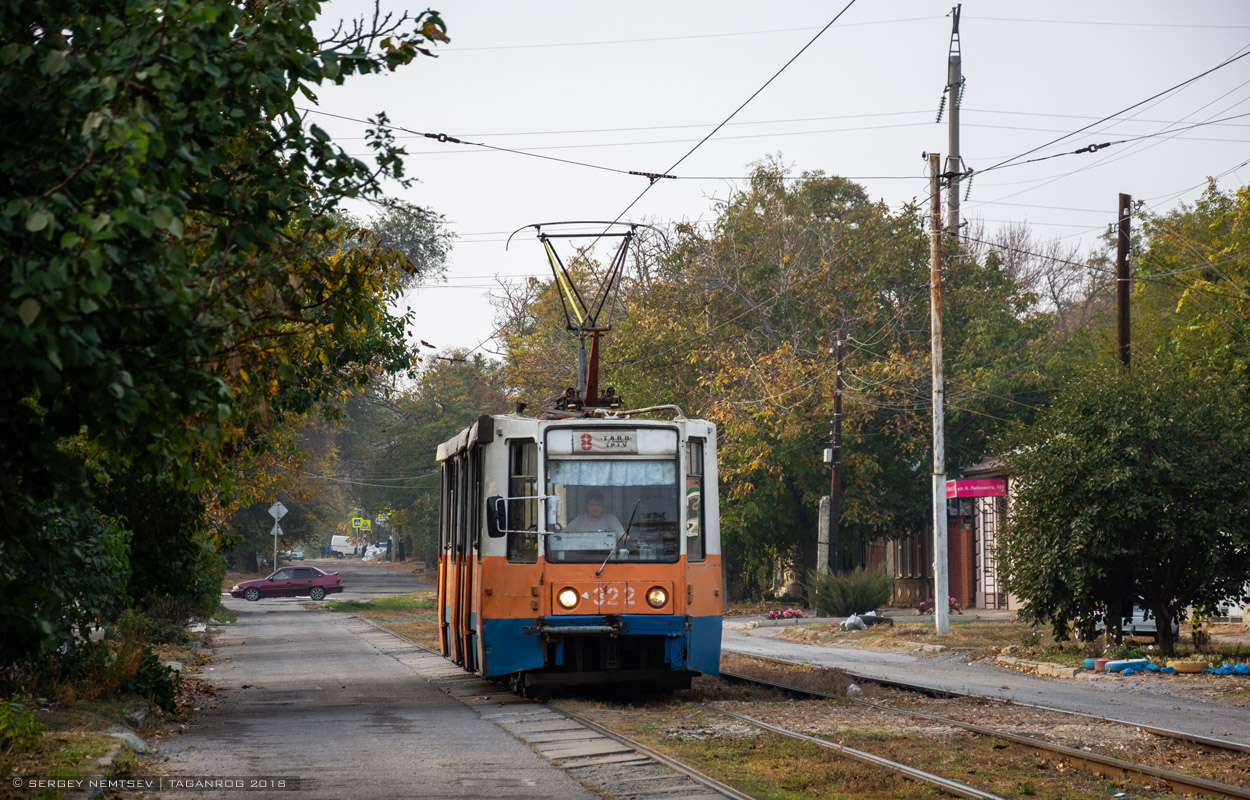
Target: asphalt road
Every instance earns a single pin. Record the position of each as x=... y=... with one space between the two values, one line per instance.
x=363 y=579
x=335 y=702
x=1145 y=699
x=339 y=704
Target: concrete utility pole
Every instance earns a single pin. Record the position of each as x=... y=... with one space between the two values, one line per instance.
x=1122 y=276
x=835 y=480
x=954 y=163
x=941 y=566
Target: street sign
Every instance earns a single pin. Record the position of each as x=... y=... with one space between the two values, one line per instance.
x=277 y=530
x=383 y=517
x=277 y=511
x=364 y=525
x=357 y=522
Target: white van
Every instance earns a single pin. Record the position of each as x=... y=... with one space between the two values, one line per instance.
x=343 y=546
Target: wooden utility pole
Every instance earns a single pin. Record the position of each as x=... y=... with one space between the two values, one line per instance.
x=941 y=565
x=954 y=163
x=835 y=480
x=1122 y=276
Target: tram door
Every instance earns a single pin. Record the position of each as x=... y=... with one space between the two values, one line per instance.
x=471 y=497
x=448 y=561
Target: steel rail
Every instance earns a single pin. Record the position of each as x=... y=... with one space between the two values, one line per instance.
x=934 y=691
x=711 y=783
x=945 y=784
x=1103 y=765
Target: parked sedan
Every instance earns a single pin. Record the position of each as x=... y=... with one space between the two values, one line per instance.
x=290 y=582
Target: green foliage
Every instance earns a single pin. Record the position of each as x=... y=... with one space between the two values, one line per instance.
x=157 y=683
x=1133 y=488
x=1191 y=297
x=395 y=438
x=840 y=594
x=177 y=284
x=63 y=579
x=18 y=729
x=175 y=572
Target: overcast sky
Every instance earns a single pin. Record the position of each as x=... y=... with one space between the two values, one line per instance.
x=632 y=85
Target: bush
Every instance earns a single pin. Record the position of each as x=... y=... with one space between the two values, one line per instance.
x=157 y=682
x=18 y=729
x=840 y=594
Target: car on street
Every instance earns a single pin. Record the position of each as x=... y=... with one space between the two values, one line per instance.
x=290 y=582
x=297 y=553
x=1140 y=622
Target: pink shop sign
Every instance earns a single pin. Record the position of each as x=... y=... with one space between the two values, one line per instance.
x=981 y=487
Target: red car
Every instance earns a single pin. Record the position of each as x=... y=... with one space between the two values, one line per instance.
x=289 y=582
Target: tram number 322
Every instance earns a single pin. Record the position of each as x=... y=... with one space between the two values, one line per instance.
x=610 y=595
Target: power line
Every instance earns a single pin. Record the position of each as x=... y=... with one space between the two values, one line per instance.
x=739 y=108
x=442 y=137
x=1117 y=24
x=1183 y=83
x=674 y=38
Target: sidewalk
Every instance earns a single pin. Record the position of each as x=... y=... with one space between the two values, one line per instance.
x=899 y=615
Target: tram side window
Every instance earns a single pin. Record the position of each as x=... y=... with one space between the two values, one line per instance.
x=523 y=513
x=696 y=544
x=444 y=522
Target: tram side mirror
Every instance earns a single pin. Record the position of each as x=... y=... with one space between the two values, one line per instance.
x=496 y=516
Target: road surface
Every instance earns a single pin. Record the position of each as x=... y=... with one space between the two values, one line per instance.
x=1145 y=699
x=335 y=702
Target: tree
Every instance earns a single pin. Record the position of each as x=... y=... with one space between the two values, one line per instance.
x=1192 y=295
x=174 y=276
x=390 y=443
x=1132 y=488
x=736 y=323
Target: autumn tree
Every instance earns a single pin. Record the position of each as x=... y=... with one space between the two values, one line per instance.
x=387 y=445
x=1192 y=289
x=736 y=323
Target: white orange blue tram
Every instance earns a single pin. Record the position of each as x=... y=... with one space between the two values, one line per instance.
x=530 y=591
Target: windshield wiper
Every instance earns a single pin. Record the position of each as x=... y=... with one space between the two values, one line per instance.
x=620 y=538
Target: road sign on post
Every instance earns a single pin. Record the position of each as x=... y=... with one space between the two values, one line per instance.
x=277 y=529
x=277 y=511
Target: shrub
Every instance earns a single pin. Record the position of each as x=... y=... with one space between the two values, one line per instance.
x=157 y=682
x=840 y=594
x=18 y=729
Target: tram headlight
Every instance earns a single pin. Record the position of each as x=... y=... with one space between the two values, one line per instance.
x=567 y=597
x=656 y=597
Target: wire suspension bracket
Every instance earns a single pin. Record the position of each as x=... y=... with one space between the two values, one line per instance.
x=583 y=313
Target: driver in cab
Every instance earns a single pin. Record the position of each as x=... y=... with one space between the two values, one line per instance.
x=594 y=519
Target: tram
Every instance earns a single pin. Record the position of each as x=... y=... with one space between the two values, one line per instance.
x=581 y=550
x=581 y=544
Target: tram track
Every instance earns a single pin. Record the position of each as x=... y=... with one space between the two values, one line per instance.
x=1083 y=759
x=1185 y=736
x=617 y=766
x=620 y=766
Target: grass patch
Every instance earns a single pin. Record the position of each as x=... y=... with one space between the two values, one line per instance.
x=423 y=632
x=384 y=606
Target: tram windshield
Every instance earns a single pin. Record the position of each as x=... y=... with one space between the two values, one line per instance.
x=622 y=510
